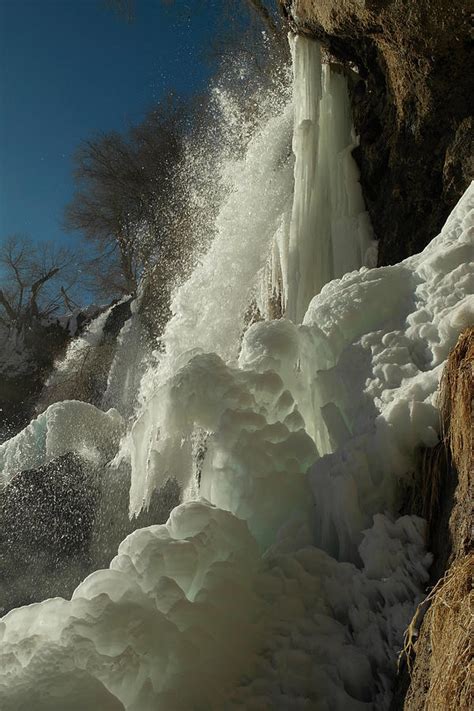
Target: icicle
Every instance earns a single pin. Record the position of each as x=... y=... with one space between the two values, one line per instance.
x=330 y=231
x=305 y=254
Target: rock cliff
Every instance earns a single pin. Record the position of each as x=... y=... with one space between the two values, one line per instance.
x=412 y=99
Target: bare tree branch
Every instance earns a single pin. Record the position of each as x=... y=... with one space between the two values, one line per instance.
x=124 y=189
x=28 y=275
x=68 y=302
x=35 y=288
x=12 y=314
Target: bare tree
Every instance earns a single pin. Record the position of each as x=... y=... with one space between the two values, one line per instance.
x=124 y=183
x=35 y=280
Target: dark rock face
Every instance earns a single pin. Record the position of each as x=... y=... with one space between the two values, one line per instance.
x=117 y=318
x=61 y=521
x=412 y=107
x=19 y=391
x=46 y=519
x=39 y=344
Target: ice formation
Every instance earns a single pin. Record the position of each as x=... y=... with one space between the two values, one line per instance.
x=69 y=426
x=289 y=583
x=330 y=232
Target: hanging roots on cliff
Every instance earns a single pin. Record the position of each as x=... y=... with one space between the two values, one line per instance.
x=456 y=394
x=455 y=449
x=448 y=627
x=429 y=484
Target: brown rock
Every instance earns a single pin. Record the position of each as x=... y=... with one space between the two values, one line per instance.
x=436 y=670
x=412 y=106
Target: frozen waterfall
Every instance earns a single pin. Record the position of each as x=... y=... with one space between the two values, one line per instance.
x=309 y=229
x=286 y=580
x=330 y=232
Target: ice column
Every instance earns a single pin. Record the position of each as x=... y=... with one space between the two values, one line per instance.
x=330 y=232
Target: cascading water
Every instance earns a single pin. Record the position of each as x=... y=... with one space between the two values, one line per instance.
x=310 y=229
x=289 y=583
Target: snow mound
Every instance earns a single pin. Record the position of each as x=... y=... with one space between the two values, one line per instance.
x=151 y=632
x=69 y=426
x=355 y=384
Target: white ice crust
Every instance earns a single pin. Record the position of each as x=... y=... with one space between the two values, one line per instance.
x=68 y=426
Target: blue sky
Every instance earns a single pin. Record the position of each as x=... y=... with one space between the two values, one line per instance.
x=68 y=69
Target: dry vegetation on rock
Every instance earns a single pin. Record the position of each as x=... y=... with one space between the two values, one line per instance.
x=440 y=660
